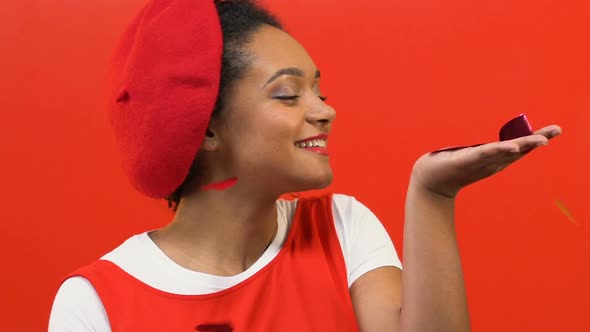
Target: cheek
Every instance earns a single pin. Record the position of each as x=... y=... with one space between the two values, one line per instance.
x=266 y=136
x=274 y=127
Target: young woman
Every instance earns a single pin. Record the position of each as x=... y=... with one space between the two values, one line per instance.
x=219 y=110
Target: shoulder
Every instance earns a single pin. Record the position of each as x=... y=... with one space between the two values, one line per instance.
x=77 y=307
x=347 y=209
x=128 y=251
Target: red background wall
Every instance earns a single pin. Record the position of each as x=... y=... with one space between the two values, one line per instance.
x=405 y=76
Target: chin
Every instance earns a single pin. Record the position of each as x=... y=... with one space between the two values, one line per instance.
x=316 y=183
x=325 y=182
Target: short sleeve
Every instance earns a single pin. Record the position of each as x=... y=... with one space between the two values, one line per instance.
x=364 y=241
x=77 y=308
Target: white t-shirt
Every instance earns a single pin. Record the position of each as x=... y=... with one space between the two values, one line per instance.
x=365 y=246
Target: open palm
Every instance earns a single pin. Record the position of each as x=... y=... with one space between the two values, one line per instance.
x=446 y=172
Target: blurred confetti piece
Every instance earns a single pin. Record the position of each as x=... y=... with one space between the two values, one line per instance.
x=220 y=185
x=565 y=211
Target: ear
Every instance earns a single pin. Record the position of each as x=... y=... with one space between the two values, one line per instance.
x=215 y=133
x=211 y=141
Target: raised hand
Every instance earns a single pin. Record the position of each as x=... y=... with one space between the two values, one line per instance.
x=446 y=172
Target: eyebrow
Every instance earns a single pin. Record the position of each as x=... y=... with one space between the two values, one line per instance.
x=291 y=71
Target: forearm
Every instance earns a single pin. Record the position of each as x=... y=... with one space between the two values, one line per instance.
x=433 y=291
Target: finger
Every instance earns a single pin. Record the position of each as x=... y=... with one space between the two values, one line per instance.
x=498 y=149
x=514 y=147
x=539 y=138
x=528 y=143
x=549 y=131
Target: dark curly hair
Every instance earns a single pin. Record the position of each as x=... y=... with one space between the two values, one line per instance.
x=240 y=19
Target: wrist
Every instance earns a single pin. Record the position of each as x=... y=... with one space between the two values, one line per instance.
x=440 y=193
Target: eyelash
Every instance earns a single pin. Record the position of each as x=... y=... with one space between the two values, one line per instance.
x=322 y=98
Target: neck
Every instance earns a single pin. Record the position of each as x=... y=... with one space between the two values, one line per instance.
x=219 y=232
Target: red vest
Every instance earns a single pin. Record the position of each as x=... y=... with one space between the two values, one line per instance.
x=304 y=288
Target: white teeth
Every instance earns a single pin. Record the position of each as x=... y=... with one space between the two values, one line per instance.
x=313 y=143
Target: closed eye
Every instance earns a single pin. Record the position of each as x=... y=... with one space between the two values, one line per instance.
x=322 y=98
x=286 y=97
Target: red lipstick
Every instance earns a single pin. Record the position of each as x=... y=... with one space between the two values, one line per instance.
x=317 y=149
x=320 y=136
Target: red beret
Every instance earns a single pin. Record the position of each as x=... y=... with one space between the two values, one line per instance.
x=164 y=82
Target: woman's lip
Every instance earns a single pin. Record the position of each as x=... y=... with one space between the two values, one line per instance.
x=317 y=149
x=320 y=136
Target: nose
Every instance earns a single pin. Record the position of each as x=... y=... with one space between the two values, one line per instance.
x=321 y=114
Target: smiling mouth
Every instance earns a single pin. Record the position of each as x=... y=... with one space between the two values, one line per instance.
x=315 y=143
x=318 y=145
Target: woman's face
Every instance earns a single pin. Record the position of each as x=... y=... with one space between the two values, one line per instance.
x=271 y=117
